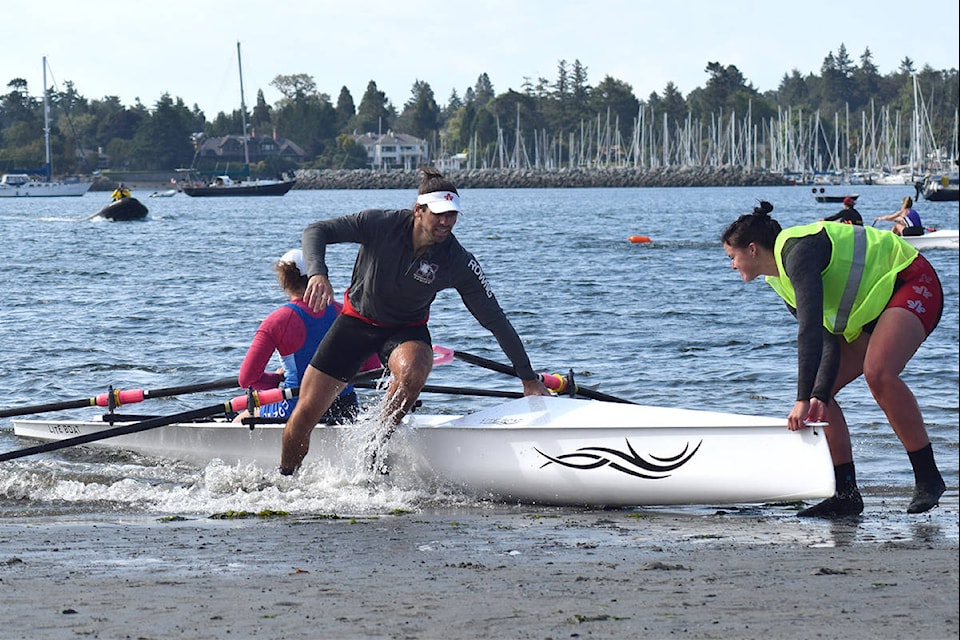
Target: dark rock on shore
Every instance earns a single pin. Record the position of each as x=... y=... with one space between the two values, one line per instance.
x=533 y=179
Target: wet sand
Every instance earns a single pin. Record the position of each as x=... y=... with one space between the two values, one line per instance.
x=502 y=572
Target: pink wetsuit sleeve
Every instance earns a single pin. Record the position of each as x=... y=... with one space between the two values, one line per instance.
x=282 y=331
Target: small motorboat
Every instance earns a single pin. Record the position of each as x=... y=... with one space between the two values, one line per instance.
x=534 y=449
x=169 y=193
x=122 y=210
x=821 y=196
x=937 y=192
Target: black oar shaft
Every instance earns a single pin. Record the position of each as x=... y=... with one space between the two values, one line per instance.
x=213 y=385
x=510 y=371
x=455 y=391
x=222 y=383
x=50 y=406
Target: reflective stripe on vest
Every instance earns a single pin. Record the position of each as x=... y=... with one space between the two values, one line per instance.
x=849 y=296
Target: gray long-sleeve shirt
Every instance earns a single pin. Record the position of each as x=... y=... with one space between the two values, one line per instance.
x=393 y=287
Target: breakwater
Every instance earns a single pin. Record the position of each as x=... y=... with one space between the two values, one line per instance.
x=542 y=179
x=503 y=178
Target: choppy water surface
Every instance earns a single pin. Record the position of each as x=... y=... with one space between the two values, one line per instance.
x=175 y=300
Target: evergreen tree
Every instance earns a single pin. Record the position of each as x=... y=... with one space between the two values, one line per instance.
x=345 y=110
x=374 y=114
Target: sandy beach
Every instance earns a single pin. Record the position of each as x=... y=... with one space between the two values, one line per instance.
x=502 y=572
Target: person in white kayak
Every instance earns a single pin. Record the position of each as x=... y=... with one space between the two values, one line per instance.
x=405 y=258
x=906 y=220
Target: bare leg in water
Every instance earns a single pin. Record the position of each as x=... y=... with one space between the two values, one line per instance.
x=317 y=393
x=410 y=365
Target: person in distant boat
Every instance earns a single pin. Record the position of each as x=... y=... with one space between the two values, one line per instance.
x=294 y=331
x=405 y=258
x=852 y=322
x=906 y=221
x=848 y=214
x=920 y=185
x=120 y=192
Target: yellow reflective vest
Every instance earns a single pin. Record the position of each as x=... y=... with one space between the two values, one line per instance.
x=858 y=281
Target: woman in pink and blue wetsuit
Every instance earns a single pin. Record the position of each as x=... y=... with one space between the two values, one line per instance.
x=294 y=331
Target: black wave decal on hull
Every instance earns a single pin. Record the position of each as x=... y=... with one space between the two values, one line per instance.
x=630 y=462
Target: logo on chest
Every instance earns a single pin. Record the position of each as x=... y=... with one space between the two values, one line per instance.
x=426 y=272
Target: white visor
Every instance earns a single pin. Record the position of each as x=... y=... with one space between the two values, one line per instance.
x=296 y=257
x=440 y=201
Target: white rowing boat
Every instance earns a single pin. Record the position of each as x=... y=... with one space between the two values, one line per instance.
x=941 y=239
x=545 y=450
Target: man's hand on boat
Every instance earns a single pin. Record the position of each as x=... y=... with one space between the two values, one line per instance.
x=535 y=388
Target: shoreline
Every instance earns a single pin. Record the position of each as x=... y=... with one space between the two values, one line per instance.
x=501 y=571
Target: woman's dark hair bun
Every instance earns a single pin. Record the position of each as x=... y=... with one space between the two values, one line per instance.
x=764 y=208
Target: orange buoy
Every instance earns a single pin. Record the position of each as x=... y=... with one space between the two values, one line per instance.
x=639 y=239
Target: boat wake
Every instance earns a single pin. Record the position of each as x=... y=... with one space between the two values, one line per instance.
x=88 y=479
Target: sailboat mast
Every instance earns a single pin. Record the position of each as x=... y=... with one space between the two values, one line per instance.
x=46 y=122
x=243 y=109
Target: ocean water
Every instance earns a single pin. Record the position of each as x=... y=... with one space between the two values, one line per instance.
x=175 y=299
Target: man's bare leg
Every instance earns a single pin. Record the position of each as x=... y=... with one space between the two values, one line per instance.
x=317 y=393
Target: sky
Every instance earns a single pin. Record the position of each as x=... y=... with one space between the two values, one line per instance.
x=143 y=49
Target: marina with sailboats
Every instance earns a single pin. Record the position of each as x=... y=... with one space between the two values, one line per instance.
x=39 y=183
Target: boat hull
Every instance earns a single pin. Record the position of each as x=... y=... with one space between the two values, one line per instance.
x=123 y=210
x=35 y=189
x=240 y=189
x=942 y=239
x=557 y=451
x=942 y=194
x=836 y=199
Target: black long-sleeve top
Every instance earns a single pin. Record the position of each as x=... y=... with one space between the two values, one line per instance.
x=818 y=350
x=392 y=286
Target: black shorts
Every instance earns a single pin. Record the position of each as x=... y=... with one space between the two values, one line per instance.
x=350 y=341
x=912 y=231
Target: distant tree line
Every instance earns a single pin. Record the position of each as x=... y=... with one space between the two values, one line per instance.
x=546 y=118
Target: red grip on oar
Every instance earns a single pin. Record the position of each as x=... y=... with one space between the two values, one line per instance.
x=442 y=355
x=130 y=396
x=121 y=397
x=268 y=396
x=555 y=383
x=260 y=398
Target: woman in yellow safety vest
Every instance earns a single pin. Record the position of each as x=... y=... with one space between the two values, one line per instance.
x=865 y=300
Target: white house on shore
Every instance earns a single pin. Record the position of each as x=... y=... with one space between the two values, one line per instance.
x=393 y=150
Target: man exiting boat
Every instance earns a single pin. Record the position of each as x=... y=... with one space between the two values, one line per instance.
x=405 y=258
